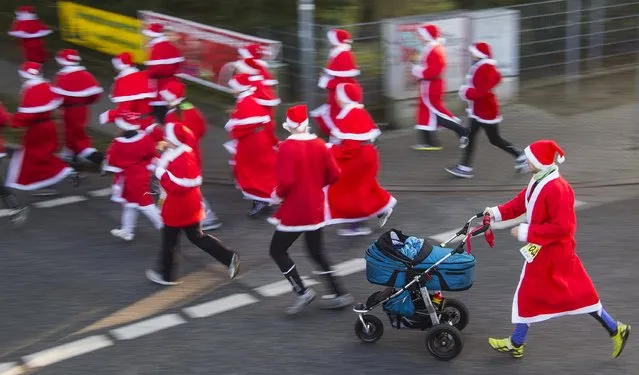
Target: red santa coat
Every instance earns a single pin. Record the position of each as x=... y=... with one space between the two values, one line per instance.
x=192 y=118
x=356 y=196
x=35 y=165
x=162 y=65
x=131 y=161
x=265 y=96
x=482 y=79
x=131 y=91
x=269 y=79
x=5 y=120
x=432 y=87
x=31 y=32
x=305 y=167
x=254 y=157
x=79 y=89
x=180 y=179
x=555 y=283
x=325 y=114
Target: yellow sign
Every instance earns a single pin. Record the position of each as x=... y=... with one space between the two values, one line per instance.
x=103 y=31
x=530 y=251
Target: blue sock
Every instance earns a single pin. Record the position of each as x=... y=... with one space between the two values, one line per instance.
x=606 y=321
x=518 y=337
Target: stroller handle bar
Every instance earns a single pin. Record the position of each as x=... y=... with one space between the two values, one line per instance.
x=465 y=231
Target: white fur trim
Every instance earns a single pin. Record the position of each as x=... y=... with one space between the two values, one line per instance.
x=477 y=53
x=297 y=228
x=425 y=34
x=368 y=136
x=120 y=123
x=496 y=213
x=237 y=87
x=104 y=117
x=30 y=74
x=392 y=202
x=43 y=108
x=276 y=199
x=119 y=65
x=112 y=169
x=173 y=60
x=128 y=70
x=65 y=62
x=332 y=38
x=169 y=133
x=256 y=78
x=561 y=159
x=78 y=94
x=135 y=138
x=128 y=98
x=243 y=67
x=341 y=94
x=522 y=234
x=530 y=204
x=297 y=126
x=185 y=182
x=343 y=74
x=23 y=16
x=323 y=81
x=534 y=161
x=15 y=168
x=247 y=121
x=24 y=35
x=269 y=103
x=170 y=98
x=71 y=69
x=302 y=136
x=270 y=82
x=244 y=53
x=152 y=34
x=347 y=108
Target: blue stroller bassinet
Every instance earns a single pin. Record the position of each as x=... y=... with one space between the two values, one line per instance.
x=395 y=258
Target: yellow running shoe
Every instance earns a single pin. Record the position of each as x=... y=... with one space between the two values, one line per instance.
x=506 y=346
x=422 y=147
x=619 y=339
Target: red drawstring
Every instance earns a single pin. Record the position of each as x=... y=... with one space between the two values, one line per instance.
x=488 y=235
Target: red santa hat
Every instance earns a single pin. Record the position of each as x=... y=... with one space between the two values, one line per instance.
x=296 y=118
x=430 y=33
x=249 y=66
x=542 y=153
x=30 y=70
x=481 y=50
x=178 y=134
x=127 y=120
x=253 y=51
x=242 y=82
x=342 y=65
x=338 y=37
x=122 y=61
x=26 y=13
x=349 y=93
x=154 y=30
x=361 y=126
x=68 y=57
x=174 y=93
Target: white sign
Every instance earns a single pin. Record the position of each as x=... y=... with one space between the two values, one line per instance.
x=500 y=29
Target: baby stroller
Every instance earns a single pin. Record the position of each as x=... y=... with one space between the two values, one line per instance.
x=411 y=267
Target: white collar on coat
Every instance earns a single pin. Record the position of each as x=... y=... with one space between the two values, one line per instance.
x=157 y=40
x=302 y=136
x=530 y=203
x=245 y=94
x=71 y=69
x=133 y=139
x=172 y=154
x=339 y=49
x=347 y=108
x=32 y=82
x=126 y=71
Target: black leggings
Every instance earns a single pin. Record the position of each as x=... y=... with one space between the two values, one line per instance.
x=282 y=241
x=206 y=242
x=159 y=112
x=8 y=199
x=429 y=137
x=492 y=131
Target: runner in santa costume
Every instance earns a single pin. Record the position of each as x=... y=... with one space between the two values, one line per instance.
x=431 y=110
x=254 y=157
x=30 y=30
x=79 y=89
x=264 y=94
x=304 y=167
x=182 y=211
x=18 y=213
x=356 y=196
x=553 y=281
x=187 y=114
x=35 y=166
x=483 y=110
x=257 y=52
x=340 y=68
x=162 y=65
x=130 y=157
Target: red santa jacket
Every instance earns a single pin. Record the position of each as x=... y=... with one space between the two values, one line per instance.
x=355 y=123
x=191 y=117
x=269 y=79
x=180 y=178
x=163 y=63
x=248 y=117
x=30 y=31
x=304 y=167
x=36 y=105
x=5 y=118
x=131 y=91
x=77 y=86
x=482 y=78
x=432 y=63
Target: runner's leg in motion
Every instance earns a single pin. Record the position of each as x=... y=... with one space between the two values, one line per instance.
x=214 y=248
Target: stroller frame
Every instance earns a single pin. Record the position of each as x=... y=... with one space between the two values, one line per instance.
x=432 y=312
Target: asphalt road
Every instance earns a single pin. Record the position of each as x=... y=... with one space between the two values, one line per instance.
x=67 y=279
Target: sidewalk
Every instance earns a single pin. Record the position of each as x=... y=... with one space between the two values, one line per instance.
x=598 y=145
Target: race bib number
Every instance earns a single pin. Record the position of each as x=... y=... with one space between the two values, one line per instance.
x=530 y=251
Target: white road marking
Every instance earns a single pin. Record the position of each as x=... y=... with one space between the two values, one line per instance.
x=100 y=192
x=281 y=287
x=60 y=201
x=441 y=237
x=221 y=305
x=11 y=368
x=148 y=326
x=350 y=267
x=66 y=351
x=5 y=213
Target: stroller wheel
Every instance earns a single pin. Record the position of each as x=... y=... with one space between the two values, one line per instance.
x=373 y=330
x=444 y=342
x=455 y=313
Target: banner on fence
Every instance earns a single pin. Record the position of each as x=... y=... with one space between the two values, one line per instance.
x=209 y=51
x=99 y=30
x=403 y=48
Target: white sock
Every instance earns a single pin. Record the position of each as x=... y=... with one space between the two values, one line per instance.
x=129 y=218
x=153 y=214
